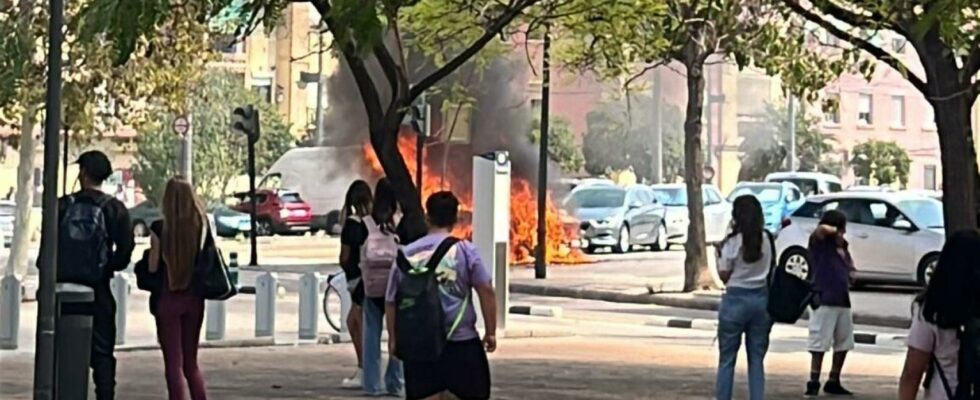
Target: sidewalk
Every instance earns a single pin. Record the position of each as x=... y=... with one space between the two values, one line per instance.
x=550 y=368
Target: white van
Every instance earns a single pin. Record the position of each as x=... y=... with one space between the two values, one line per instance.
x=810 y=183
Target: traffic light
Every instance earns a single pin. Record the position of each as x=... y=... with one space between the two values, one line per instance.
x=246 y=121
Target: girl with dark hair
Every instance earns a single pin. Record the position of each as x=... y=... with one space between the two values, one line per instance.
x=357 y=206
x=938 y=313
x=745 y=258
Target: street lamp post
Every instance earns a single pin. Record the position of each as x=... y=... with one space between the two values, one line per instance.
x=44 y=359
x=540 y=257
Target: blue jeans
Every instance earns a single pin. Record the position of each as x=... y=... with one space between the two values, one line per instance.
x=743 y=311
x=371 y=380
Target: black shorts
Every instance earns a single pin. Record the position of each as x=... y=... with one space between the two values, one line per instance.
x=357 y=295
x=462 y=370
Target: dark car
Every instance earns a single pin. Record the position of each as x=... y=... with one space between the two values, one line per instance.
x=611 y=216
x=229 y=223
x=277 y=212
x=143 y=215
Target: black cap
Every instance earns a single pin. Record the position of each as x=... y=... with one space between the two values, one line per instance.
x=95 y=165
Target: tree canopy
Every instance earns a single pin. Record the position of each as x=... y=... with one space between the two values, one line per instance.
x=563 y=149
x=620 y=136
x=881 y=162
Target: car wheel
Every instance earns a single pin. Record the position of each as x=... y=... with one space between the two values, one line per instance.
x=796 y=261
x=623 y=244
x=926 y=268
x=661 y=244
x=589 y=250
x=140 y=230
x=263 y=228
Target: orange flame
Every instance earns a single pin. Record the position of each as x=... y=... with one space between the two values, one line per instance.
x=523 y=209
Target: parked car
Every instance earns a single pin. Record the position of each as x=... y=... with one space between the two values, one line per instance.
x=809 y=183
x=143 y=215
x=228 y=222
x=717 y=212
x=779 y=200
x=894 y=237
x=277 y=212
x=616 y=217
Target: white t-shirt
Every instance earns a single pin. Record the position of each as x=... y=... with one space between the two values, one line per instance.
x=745 y=275
x=944 y=345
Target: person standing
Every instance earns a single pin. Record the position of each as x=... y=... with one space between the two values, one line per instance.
x=174 y=245
x=357 y=205
x=831 y=322
x=937 y=316
x=378 y=250
x=461 y=368
x=108 y=247
x=745 y=260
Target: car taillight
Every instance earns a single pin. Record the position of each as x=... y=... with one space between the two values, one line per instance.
x=284 y=213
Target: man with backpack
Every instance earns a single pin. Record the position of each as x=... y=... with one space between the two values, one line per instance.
x=430 y=314
x=95 y=239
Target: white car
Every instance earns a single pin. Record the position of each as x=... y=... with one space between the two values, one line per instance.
x=894 y=237
x=810 y=183
x=717 y=212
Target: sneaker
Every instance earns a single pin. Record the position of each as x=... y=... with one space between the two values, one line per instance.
x=354 y=382
x=836 y=389
x=812 y=389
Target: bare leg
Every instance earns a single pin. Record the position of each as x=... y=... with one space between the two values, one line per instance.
x=355 y=327
x=837 y=366
x=816 y=365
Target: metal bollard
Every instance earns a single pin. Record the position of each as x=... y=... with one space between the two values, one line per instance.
x=215 y=312
x=10 y=298
x=265 y=304
x=120 y=291
x=309 y=305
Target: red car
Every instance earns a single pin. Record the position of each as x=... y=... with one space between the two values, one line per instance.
x=277 y=212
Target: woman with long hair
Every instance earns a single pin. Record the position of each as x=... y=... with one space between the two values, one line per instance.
x=937 y=315
x=357 y=205
x=175 y=243
x=745 y=259
x=376 y=264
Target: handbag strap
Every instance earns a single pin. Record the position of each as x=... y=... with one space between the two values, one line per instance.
x=773 y=264
x=942 y=377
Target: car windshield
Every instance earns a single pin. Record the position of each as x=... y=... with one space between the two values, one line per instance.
x=808 y=187
x=925 y=212
x=765 y=193
x=671 y=196
x=598 y=198
x=290 y=198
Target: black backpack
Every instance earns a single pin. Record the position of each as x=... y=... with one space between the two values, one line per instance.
x=788 y=294
x=420 y=328
x=83 y=241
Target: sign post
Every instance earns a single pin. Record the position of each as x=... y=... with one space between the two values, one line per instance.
x=183 y=127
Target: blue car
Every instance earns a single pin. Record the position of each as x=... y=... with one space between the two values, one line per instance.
x=779 y=200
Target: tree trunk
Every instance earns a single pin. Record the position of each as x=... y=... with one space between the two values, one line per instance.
x=20 y=243
x=959 y=160
x=695 y=260
x=385 y=145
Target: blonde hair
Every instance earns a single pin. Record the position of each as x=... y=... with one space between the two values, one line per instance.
x=183 y=224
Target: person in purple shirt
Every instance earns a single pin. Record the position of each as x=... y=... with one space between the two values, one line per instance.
x=831 y=322
x=462 y=369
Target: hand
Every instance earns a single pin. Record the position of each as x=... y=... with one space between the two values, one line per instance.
x=392 y=348
x=490 y=343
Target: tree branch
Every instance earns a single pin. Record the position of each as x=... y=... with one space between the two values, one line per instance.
x=860 y=43
x=489 y=34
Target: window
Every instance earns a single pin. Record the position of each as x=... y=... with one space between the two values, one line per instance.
x=832 y=116
x=264 y=92
x=928 y=117
x=711 y=197
x=929 y=177
x=898 y=45
x=865 y=109
x=898 y=112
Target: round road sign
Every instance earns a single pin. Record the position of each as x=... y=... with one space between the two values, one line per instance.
x=181 y=125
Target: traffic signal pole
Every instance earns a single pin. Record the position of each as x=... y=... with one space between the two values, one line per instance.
x=541 y=255
x=246 y=121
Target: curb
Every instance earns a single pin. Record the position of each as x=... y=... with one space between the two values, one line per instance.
x=235 y=343
x=682 y=323
x=694 y=302
x=537 y=311
x=880 y=339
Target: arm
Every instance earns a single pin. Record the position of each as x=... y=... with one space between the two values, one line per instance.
x=121 y=234
x=344 y=254
x=390 y=310
x=488 y=304
x=154 y=253
x=824 y=231
x=916 y=362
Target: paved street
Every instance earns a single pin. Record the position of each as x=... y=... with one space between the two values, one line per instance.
x=594 y=360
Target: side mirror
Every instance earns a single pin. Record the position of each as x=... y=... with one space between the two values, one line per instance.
x=903 y=225
x=636 y=204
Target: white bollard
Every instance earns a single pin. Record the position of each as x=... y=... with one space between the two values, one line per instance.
x=120 y=291
x=265 y=304
x=10 y=298
x=309 y=305
x=215 y=311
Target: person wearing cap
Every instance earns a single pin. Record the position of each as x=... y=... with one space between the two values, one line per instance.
x=94 y=168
